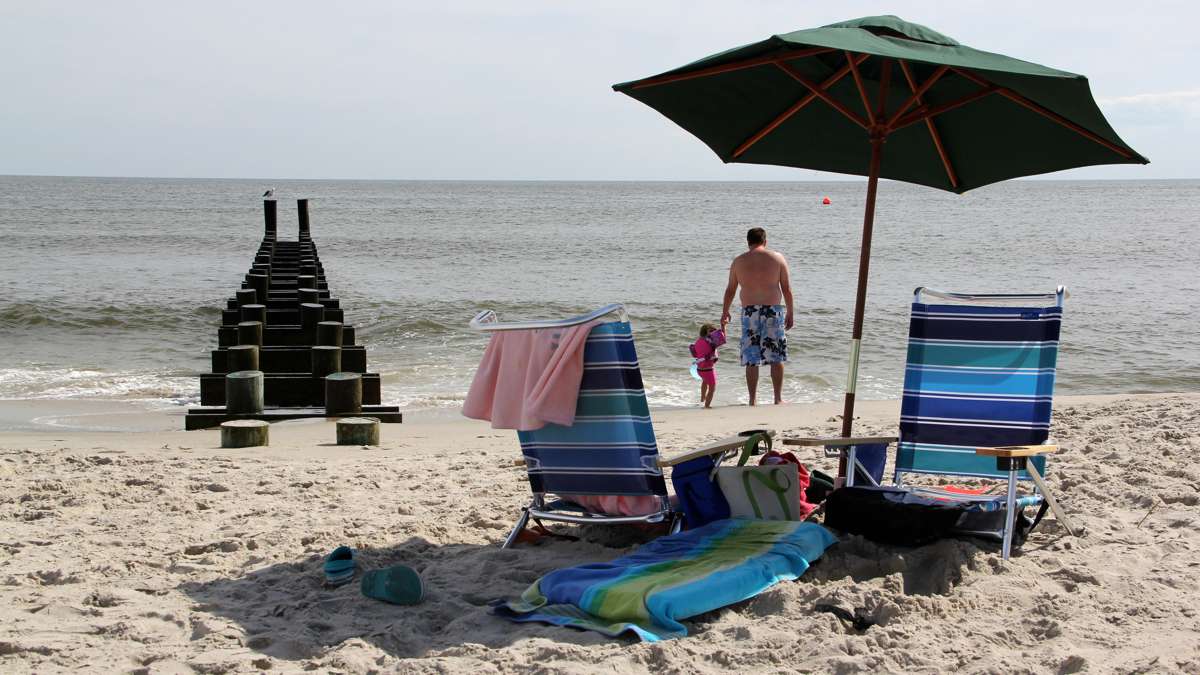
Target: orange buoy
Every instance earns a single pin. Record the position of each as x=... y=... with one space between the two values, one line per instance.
x=826 y=201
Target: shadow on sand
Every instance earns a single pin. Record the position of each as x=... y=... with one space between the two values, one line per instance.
x=287 y=611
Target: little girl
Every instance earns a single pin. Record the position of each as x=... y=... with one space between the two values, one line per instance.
x=705 y=352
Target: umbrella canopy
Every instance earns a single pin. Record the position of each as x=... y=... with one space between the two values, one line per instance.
x=954 y=118
x=879 y=96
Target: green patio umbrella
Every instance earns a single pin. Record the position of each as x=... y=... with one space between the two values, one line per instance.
x=882 y=97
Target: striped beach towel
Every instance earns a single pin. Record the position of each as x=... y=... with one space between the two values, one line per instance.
x=648 y=592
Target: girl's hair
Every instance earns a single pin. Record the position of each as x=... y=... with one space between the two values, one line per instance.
x=706 y=329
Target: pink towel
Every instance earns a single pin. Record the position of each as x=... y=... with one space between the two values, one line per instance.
x=529 y=378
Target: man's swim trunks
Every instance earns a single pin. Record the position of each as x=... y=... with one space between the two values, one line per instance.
x=763 y=338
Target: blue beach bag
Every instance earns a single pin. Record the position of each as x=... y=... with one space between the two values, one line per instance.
x=700 y=498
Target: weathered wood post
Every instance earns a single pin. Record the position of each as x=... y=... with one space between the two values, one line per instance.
x=343 y=393
x=244 y=434
x=242 y=357
x=358 y=431
x=244 y=392
x=309 y=270
x=306 y=281
x=261 y=283
x=302 y=211
x=329 y=333
x=254 y=312
x=311 y=314
x=247 y=296
x=326 y=360
x=269 y=213
x=250 y=333
x=308 y=296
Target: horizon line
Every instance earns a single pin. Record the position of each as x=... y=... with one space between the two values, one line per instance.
x=847 y=179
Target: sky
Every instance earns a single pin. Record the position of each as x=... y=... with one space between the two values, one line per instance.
x=516 y=89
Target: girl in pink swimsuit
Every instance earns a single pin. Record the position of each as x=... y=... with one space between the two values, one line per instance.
x=705 y=351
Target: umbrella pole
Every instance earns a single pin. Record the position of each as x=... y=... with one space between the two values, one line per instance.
x=860 y=301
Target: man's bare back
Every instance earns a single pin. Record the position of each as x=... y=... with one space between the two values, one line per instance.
x=761 y=275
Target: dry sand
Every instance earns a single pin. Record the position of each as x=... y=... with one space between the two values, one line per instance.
x=157 y=552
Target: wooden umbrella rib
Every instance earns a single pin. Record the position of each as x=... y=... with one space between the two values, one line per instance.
x=862 y=90
x=929 y=124
x=918 y=92
x=797 y=106
x=926 y=111
x=1045 y=112
x=823 y=95
x=730 y=67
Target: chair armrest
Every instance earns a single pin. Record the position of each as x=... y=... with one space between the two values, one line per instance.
x=1017 y=450
x=838 y=442
x=716 y=447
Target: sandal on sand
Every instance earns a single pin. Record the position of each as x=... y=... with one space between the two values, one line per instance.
x=398 y=584
x=339 y=565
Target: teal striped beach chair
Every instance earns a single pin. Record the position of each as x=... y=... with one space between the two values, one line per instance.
x=611 y=449
x=978 y=393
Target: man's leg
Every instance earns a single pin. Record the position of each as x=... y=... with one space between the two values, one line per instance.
x=752 y=382
x=777 y=381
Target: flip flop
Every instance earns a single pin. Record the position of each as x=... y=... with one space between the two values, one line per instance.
x=339 y=565
x=398 y=585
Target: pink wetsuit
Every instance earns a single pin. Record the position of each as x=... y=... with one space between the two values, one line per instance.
x=708 y=357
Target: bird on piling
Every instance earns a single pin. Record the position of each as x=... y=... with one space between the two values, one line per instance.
x=269 y=193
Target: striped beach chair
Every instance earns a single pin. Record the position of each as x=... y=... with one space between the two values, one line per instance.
x=610 y=450
x=978 y=392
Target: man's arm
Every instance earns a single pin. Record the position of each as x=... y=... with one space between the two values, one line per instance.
x=785 y=285
x=730 y=291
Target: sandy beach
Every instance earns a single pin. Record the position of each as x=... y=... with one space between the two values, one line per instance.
x=157 y=551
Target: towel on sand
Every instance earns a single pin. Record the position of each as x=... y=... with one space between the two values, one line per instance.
x=672 y=578
x=529 y=378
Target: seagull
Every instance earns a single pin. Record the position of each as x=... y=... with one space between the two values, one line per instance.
x=269 y=193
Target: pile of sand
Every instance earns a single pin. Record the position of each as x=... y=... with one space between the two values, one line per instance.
x=155 y=552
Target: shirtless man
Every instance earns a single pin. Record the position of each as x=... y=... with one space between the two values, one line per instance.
x=763 y=277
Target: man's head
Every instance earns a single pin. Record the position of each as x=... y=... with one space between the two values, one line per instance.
x=756 y=236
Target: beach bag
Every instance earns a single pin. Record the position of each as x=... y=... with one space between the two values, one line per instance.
x=700 y=497
x=765 y=492
x=890 y=515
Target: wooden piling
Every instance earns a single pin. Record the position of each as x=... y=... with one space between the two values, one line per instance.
x=250 y=333
x=358 y=431
x=242 y=357
x=261 y=283
x=247 y=296
x=329 y=333
x=244 y=392
x=343 y=393
x=244 y=434
x=302 y=211
x=255 y=312
x=311 y=314
x=308 y=295
x=326 y=360
x=269 y=214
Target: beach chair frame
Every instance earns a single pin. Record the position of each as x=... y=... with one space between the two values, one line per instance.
x=1013 y=463
x=540 y=507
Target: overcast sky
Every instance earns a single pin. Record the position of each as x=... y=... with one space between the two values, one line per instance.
x=497 y=89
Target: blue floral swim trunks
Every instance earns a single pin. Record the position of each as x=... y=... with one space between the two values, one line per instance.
x=764 y=340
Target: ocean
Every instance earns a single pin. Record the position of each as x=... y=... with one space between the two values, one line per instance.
x=111 y=288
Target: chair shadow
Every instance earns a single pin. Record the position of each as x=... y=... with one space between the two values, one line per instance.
x=288 y=612
x=933 y=569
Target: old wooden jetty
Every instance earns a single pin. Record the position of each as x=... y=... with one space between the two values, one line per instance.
x=284 y=350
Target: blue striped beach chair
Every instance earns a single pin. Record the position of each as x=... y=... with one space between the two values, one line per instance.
x=611 y=447
x=978 y=391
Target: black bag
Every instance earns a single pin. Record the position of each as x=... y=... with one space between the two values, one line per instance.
x=879 y=515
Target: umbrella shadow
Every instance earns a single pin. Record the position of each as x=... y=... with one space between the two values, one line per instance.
x=288 y=612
